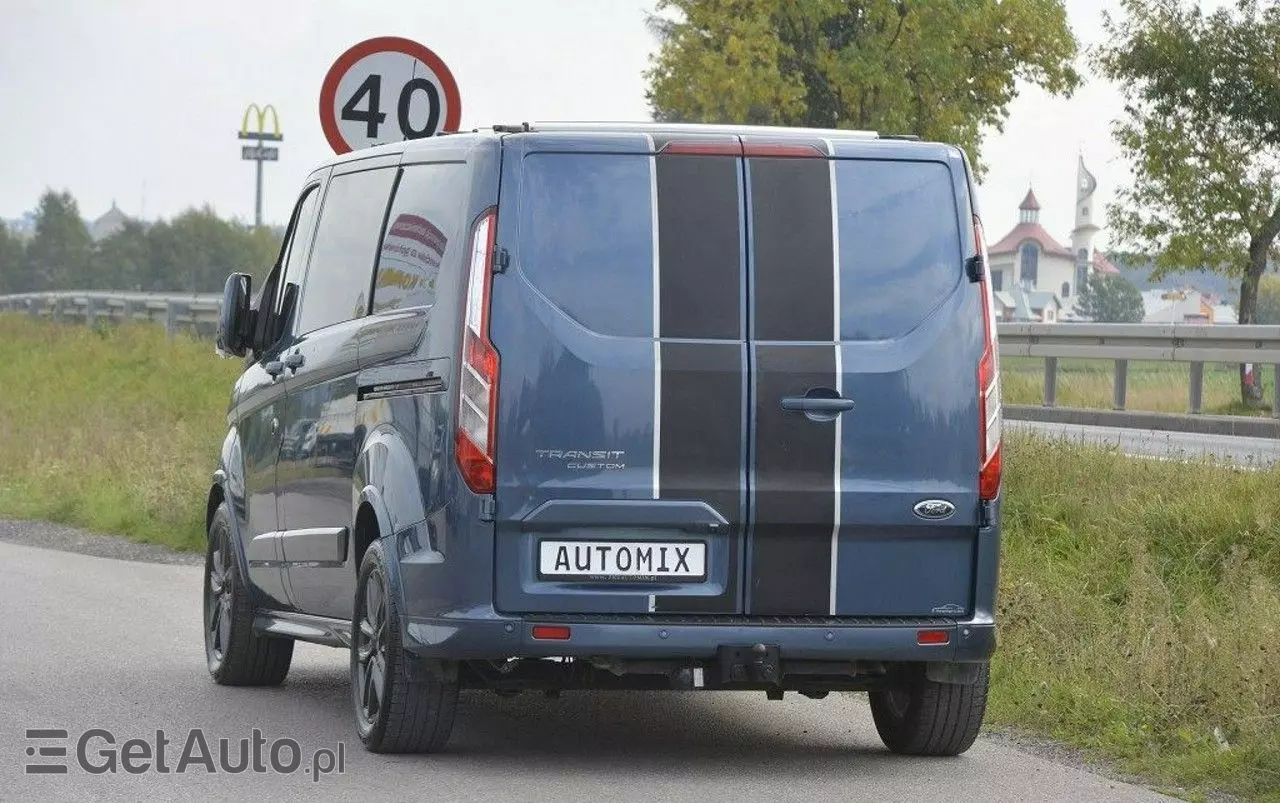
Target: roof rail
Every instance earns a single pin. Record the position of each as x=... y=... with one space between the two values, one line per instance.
x=694 y=128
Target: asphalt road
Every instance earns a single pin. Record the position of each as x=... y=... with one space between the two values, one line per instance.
x=1241 y=451
x=93 y=642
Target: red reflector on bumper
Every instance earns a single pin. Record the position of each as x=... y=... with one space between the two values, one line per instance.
x=551 y=632
x=931 y=637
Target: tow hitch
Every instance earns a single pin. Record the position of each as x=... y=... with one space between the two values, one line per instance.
x=758 y=664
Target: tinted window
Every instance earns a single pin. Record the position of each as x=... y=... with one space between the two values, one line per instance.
x=295 y=256
x=336 y=287
x=424 y=225
x=900 y=252
x=586 y=238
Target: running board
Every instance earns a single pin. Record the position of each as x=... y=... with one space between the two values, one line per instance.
x=303 y=627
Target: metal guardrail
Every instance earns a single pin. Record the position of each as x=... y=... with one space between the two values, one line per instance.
x=193 y=311
x=1121 y=342
x=1192 y=344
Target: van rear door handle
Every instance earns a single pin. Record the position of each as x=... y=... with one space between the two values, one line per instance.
x=818 y=404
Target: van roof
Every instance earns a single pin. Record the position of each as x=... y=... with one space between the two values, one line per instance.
x=462 y=139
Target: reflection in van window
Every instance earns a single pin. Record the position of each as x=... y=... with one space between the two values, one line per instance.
x=900 y=252
x=586 y=238
x=337 y=283
x=426 y=217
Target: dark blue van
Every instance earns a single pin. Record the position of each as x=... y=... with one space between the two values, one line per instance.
x=576 y=406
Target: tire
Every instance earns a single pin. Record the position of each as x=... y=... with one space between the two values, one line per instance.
x=235 y=654
x=393 y=713
x=921 y=717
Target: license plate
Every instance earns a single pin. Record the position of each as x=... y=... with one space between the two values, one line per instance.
x=623 y=560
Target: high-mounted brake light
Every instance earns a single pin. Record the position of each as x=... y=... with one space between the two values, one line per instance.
x=478 y=367
x=988 y=382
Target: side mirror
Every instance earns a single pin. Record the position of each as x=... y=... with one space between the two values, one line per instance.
x=235 y=318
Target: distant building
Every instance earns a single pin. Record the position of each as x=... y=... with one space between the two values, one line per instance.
x=1225 y=314
x=109 y=223
x=1185 y=305
x=1023 y=306
x=1030 y=259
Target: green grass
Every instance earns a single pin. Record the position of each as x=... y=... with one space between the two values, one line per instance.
x=1140 y=599
x=1140 y=611
x=116 y=430
x=1160 y=387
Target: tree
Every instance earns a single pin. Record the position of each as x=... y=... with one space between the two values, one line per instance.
x=196 y=250
x=936 y=68
x=1110 y=299
x=123 y=260
x=1202 y=137
x=58 y=255
x=1269 y=300
x=10 y=262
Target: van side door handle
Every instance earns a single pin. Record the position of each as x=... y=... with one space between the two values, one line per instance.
x=811 y=404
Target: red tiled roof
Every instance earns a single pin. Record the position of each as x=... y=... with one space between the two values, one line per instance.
x=1103 y=265
x=1029 y=231
x=1030 y=201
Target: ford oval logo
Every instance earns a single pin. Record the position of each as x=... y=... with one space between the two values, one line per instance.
x=934 y=509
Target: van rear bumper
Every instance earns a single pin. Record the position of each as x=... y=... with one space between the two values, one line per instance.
x=879 y=639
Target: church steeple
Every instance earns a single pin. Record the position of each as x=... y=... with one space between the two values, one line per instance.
x=1029 y=209
x=1084 y=232
x=1082 y=235
x=1086 y=185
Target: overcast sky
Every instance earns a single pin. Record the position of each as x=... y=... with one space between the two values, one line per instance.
x=139 y=101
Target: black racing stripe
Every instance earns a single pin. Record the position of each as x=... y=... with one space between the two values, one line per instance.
x=794 y=489
x=792 y=248
x=702 y=447
x=699 y=247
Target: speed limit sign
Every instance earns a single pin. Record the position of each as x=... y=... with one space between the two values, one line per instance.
x=387 y=89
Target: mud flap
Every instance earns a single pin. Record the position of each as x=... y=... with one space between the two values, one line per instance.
x=964 y=674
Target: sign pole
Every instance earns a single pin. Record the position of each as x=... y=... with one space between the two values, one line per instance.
x=260 y=152
x=257 y=200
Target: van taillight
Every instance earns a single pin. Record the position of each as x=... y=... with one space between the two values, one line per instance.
x=478 y=371
x=988 y=382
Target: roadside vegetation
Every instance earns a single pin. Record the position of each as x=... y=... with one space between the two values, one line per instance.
x=1159 y=387
x=1140 y=599
x=1140 y=613
x=114 y=429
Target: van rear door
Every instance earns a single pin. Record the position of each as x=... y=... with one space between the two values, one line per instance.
x=865 y=338
x=620 y=325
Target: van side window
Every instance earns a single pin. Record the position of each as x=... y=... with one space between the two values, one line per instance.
x=337 y=282
x=268 y=327
x=425 y=219
x=295 y=257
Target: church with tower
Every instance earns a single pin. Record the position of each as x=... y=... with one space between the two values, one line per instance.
x=1035 y=277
